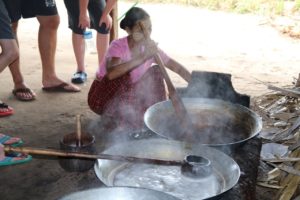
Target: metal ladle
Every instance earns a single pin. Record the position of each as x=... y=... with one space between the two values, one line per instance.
x=192 y=166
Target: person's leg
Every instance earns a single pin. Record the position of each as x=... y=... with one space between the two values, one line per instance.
x=9 y=49
x=47 y=40
x=102 y=46
x=78 y=43
x=21 y=90
x=79 y=51
x=9 y=52
x=95 y=11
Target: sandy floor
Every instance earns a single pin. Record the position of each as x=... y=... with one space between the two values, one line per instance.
x=242 y=45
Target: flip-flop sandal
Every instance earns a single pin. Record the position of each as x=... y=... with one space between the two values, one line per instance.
x=12 y=141
x=14 y=159
x=63 y=87
x=9 y=110
x=79 y=77
x=18 y=94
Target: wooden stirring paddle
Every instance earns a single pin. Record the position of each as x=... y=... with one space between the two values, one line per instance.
x=177 y=103
x=78 y=131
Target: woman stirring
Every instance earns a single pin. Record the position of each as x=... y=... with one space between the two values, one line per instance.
x=128 y=81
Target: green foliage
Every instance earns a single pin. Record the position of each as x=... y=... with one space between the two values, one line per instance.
x=297 y=5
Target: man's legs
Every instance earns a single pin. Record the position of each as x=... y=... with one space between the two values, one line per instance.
x=47 y=40
x=79 y=51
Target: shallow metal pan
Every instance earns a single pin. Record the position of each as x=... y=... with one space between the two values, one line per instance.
x=226 y=171
x=220 y=123
x=118 y=193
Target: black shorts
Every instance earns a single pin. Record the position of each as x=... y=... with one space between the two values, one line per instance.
x=5 y=27
x=95 y=8
x=30 y=8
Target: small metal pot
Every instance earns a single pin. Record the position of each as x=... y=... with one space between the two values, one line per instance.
x=69 y=143
x=196 y=167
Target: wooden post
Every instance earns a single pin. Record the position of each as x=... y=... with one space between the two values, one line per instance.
x=114 y=29
x=298 y=81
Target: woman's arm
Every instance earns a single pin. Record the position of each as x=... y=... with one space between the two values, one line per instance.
x=179 y=69
x=115 y=67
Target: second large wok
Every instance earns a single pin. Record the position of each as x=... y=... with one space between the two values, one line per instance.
x=215 y=122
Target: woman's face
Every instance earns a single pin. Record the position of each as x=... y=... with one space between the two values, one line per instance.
x=137 y=32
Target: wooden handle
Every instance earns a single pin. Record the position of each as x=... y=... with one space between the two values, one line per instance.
x=60 y=153
x=78 y=130
x=175 y=99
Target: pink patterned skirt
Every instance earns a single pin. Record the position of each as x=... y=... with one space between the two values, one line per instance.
x=124 y=101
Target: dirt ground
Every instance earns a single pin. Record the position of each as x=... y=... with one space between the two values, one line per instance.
x=242 y=45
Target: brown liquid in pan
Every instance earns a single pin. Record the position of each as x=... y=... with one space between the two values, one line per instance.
x=210 y=127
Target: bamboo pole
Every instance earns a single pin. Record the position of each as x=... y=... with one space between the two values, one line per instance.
x=114 y=29
x=298 y=81
x=60 y=153
x=78 y=130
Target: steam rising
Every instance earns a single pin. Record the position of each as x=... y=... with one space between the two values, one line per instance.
x=131 y=103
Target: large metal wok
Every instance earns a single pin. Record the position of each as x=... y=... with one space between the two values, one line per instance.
x=119 y=193
x=224 y=175
x=216 y=122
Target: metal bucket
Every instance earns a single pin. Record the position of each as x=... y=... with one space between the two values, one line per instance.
x=224 y=175
x=68 y=143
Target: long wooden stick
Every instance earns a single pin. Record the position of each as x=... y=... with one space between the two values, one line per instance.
x=60 y=153
x=175 y=99
x=78 y=130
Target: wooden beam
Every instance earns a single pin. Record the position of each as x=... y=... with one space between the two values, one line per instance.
x=298 y=81
x=114 y=29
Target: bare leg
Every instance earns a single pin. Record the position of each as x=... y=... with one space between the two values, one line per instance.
x=9 y=52
x=79 y=51
x=102 y=46
x=47 y=40
x=16 y=73
x=15 y=66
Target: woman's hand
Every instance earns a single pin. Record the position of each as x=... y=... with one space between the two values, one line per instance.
x=150 y=49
